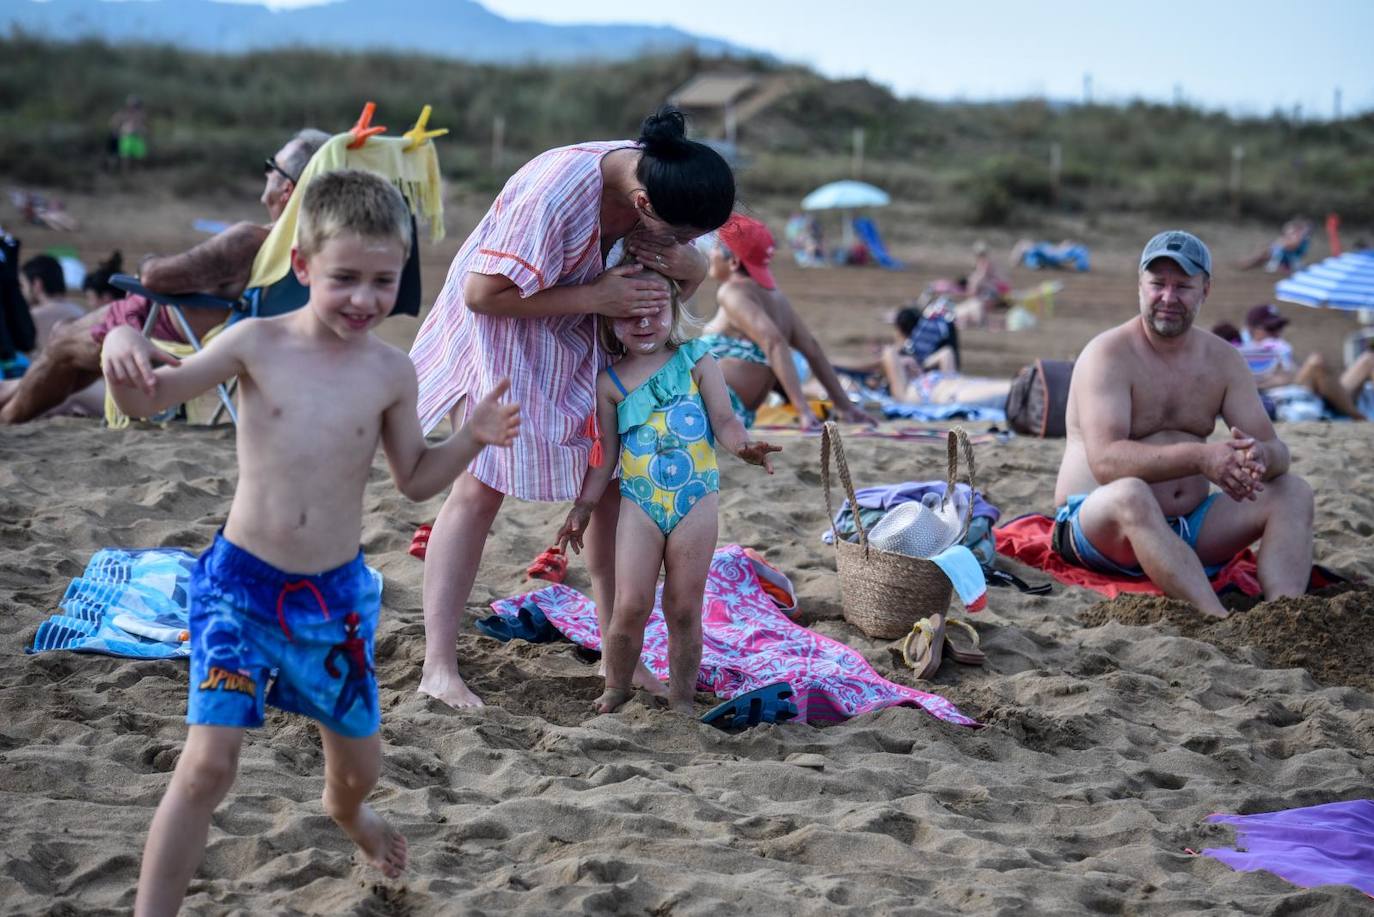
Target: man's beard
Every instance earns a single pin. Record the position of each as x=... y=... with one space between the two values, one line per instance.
x=1169 y=327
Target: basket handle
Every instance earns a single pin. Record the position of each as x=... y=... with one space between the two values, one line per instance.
x=956 y=442
x=830 y=439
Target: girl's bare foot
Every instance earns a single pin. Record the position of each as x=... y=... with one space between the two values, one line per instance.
x=612 y=699
x=382 y=845
x=643 y=679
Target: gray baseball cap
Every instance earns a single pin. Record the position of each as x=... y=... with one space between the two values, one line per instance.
x=1183 y=248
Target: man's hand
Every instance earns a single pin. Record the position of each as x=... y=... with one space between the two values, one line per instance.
x=1254 y=459
x=127 y=358
x=574 y=528
x=623 y=293
x=1232 y=466
x=492 y=422
x=757 y=452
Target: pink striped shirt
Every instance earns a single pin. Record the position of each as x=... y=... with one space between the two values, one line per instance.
x=543 y=230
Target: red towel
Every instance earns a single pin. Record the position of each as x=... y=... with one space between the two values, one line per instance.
x=1027 y=539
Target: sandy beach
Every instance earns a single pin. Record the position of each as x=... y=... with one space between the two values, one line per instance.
x=1112 y=729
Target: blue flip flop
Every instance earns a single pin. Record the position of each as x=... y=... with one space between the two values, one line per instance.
x=529 y=624
x=769 y=704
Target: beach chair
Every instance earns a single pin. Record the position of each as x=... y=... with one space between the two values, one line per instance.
x=409 y=162
x=867 y=231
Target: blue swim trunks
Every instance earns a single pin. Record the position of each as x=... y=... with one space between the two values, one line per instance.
x=300 y=642
x=1071 y=544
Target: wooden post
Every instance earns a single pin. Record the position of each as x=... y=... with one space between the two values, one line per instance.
x=1336 y=105
x=1056 y=169
x=498 y=141
x=1237 y=156
x=858 y=166
x=1087 y=89
x=730 y=124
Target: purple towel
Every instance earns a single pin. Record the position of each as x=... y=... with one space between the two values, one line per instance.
x=748 y=643
x=1331 y=844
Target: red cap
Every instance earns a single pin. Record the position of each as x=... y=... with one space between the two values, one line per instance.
x=752 y=244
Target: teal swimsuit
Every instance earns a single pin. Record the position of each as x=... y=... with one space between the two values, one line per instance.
x=667 y=449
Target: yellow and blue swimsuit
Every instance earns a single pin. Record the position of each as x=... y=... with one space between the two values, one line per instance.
x=667 y=450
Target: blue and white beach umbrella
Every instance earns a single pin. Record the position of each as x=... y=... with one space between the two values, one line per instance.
x=1343 y=282
x=845 y=195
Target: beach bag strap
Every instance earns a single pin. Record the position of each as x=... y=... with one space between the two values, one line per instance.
x=956 y=442
x=830 y=439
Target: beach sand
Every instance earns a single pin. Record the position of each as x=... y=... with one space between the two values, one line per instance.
x=1112 y=729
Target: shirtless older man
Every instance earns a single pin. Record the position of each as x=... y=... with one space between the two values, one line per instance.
x=1134 y=491
x=220 y=266
x=756 y=329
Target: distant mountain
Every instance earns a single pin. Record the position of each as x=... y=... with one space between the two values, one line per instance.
x=450 y=28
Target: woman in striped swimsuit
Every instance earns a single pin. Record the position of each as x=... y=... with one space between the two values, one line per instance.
x=520 y=302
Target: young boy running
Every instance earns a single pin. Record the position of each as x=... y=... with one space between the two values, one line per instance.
x=317 y=393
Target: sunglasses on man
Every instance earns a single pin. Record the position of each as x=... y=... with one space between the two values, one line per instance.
x=269 y=165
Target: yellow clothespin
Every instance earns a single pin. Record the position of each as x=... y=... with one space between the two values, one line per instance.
x=363 y=129
x=417 y=135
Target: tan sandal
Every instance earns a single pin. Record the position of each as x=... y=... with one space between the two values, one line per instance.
x=927 y=662
x=961 y=651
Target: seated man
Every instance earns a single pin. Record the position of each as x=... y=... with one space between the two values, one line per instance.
x=45 y=287
x=755 y=329
x=1133 y=490
x=1265 y=324
x=219 y=266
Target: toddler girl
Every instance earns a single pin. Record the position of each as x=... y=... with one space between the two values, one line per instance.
x=662 y=407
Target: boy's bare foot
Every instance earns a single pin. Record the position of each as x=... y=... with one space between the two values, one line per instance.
x=382 y=845
x=612 y=699
x=449 y=689
x=643 y=679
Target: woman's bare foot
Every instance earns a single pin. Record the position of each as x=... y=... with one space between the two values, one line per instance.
x=684 y=705
x=382 y=845
x=643 y=679
x=612 y=699
x=449 y=688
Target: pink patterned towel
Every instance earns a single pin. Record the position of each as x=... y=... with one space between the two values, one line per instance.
x=749 y=643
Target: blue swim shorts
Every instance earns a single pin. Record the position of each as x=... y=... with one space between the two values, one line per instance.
x=300 y=642
x=1071 y=544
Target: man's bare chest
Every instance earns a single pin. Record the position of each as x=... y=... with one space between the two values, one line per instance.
x=1166 y=398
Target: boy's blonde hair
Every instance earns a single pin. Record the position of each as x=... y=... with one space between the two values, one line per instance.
x=351 y=202
x=683 y=319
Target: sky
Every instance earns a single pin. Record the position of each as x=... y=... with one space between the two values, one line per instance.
x=1243 y=56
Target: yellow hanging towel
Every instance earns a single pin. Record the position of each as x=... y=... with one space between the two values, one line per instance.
x=415 y=174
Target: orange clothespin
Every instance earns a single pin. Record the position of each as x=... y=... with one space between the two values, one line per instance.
x=417 y=135
x=363 y=129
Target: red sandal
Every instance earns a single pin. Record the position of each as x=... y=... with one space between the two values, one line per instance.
x=551 y=565
x=420 y=543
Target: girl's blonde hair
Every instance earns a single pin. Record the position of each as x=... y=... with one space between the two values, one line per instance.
x=684 y=322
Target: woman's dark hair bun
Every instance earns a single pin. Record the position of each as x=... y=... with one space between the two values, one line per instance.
x=664 y=134
x=114 y=264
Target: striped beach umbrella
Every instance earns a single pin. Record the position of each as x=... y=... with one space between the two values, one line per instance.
x=1343 y=282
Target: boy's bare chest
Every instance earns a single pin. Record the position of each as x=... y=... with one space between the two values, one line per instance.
x=320 y=407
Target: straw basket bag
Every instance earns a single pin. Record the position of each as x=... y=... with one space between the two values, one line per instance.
x=883 y=593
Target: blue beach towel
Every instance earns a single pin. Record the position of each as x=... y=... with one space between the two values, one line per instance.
x=133 y=603
x=867 y=232
x=145 y=591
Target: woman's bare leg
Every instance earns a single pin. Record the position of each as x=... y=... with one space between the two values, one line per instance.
x=451 y=560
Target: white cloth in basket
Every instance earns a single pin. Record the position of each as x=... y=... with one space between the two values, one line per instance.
x=921 y=529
